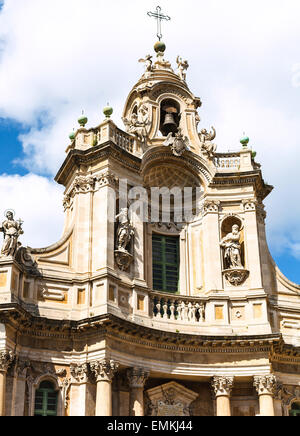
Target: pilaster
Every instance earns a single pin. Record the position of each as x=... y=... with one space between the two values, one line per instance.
x=137 y=378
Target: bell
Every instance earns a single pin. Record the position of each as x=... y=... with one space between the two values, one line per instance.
x=169 y=124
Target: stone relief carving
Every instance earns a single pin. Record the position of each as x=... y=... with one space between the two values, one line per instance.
x=6 y=360
x=139 y=122
x=11 y=230
x=206 y=138
x=124 y=235
x=178 y=143
x=182 y=68
x=79 y=373
x=211 y=206
x=171 y=399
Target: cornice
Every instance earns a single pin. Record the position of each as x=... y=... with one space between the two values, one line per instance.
x=98 y=153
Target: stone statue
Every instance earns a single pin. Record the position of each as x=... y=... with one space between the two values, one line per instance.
x=182 y=67
x=148 y=63
x=137 y=125
x=12 y=230
x=178 y=143
x=232 y=249
x=125 y=231
x=206 y=139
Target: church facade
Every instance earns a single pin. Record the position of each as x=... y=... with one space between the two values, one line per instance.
x=161 y=298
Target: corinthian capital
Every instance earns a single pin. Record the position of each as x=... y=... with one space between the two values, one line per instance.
x=266 y=384
x=137 y=377
x=222 y=385
x=104 y=370
x=79 y=372
x=6 y=359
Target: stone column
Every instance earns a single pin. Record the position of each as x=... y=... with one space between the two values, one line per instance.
x=18 y=397
x=222 y=387
x=104 y=371
x=137 y=378
x=6 y=359
x=81 y=403
x=266 y=386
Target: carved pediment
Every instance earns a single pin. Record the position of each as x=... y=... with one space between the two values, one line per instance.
x=170 y=399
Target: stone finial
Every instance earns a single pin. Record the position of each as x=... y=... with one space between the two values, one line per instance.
x=104 y=370
x=6 y=359
x=137 y=377
x=266 y=384
x=222 y=385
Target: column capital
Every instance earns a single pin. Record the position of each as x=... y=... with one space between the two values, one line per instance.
x=265 y=384
x=104 y=370
x=79 y=372
x=222 y=385
x=6 y=359
x=137 y=377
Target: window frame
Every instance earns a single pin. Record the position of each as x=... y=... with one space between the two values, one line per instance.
x=45 y=400
x=164 y=263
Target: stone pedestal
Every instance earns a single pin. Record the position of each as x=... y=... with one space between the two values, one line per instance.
x=222 y=387
x=104 y=372
x=266 y=386
x=137 y=378
x=6 y=359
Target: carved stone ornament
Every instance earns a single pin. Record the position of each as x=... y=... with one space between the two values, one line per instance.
x=137 y=377
x=104 y=370
x=266 y=384
x=24 y=258
x=178 y=143
x=80 y=373
x=236 y=277
x=211 y=206
x=222 y=385
x=170 y=399
x=6 y=359
x=206 y=138
x=182 y=68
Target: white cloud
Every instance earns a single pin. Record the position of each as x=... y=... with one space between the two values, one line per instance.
x=61 y=56
x=38 y=202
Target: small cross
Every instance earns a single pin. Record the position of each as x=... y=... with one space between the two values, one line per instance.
x=159 y=16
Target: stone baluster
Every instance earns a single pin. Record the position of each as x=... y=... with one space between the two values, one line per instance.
x=158 y=307
x=6 y=359
x=137 y=378
x=165 y=309
x=172 y=310
x=104 y=372
x=266 y=386
x=222 y=386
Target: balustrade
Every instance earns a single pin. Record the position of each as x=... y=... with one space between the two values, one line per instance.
x=227 y=161
x=177 y=308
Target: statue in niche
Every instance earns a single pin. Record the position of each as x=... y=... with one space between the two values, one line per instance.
x=124 y=235
x=232 y=249
x=178 y=143
x=206 y=139
x=182 y=68
x=12 y=230
x=148 y=63
x=125 y=230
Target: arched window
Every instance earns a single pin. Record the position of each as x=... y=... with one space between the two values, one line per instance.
x=45 y=400
x=295 y=410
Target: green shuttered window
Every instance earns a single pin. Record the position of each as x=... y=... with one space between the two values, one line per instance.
x=165 y=252
x=45 y=400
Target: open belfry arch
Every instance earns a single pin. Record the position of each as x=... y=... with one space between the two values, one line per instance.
x=133 y=313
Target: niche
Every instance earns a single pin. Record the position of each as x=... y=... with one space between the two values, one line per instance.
x=169 y=117
x=226 y=229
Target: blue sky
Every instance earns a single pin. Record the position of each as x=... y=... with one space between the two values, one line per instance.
x=64 y=57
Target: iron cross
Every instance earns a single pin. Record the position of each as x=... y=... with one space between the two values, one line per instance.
x=159 y=17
